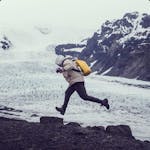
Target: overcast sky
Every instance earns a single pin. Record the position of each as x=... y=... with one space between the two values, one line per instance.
x=88 y=14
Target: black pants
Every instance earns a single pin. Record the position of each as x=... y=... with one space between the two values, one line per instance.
x=80 y=89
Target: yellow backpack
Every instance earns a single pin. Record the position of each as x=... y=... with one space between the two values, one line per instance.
x=86 y=70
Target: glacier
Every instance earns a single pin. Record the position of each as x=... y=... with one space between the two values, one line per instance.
x=28 y=82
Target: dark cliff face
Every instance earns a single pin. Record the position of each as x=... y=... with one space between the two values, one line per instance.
x=69 y=49
x=121 y=47
x=5 y=44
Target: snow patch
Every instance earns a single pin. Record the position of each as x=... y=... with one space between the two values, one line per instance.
x=74 y=50
x=93 y=63
x=105 y=72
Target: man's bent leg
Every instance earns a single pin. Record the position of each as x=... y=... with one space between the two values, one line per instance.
x=80 y=88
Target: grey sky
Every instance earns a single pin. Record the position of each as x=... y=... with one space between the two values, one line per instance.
x=88 y=14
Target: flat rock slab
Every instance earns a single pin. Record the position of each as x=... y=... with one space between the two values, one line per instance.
x=51 y=120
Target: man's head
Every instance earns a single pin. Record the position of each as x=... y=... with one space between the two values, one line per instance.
x=59 y=60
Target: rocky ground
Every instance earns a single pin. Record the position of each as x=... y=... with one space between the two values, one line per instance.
x=51 y=134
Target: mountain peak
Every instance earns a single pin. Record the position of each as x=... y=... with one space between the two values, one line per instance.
x=131 y=16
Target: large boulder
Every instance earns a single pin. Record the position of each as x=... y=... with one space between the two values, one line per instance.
x=121 y=130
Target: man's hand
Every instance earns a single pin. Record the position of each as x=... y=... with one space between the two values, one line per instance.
x=59 y=70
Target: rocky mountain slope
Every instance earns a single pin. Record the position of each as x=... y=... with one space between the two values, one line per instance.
x=120 y=47
x=52 y=134
x=5 y=43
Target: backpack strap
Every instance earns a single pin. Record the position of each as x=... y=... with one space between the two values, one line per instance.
x=76 y=70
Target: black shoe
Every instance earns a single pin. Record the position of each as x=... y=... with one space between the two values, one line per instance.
x=61 y=110
x=105 y=103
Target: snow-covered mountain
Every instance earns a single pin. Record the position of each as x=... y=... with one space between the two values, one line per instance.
x=120 y=47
